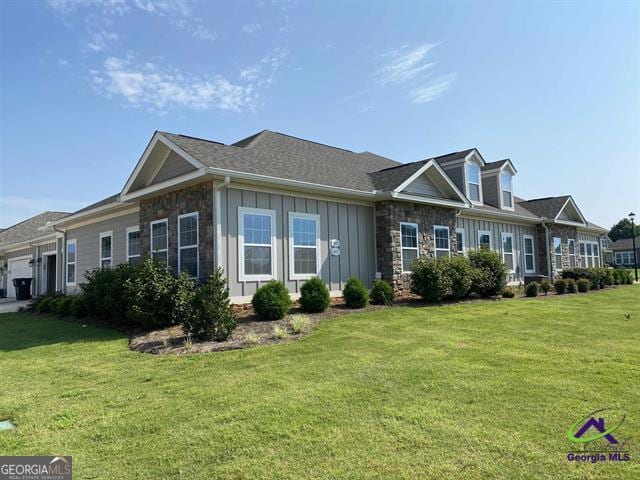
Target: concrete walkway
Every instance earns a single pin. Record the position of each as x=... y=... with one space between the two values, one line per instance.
x=9 y=305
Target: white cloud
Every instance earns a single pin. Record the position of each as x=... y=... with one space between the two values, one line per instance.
x=265 y=72
x=118 y=7
x=431 y=90
x=250 y=29
x=14 y=209
x=160 y=90
x=405 y=65
x=101 y=39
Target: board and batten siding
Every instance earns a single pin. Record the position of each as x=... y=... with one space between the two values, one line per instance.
x=352 y=224
x=88 y=244
x=473 y=225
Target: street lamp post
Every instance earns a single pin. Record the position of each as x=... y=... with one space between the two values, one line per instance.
x=632 y=217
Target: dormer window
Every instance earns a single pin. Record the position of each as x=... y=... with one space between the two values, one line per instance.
x=473 y=182
x=507 y=190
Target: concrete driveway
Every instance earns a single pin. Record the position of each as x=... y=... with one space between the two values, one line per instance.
x=9 y=305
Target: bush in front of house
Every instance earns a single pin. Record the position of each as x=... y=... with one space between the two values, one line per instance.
x=458 y=270
x=545 y=286
x=531 y=289
x=206 y=314
x=430 y=279
x=106 y=294
x=382 y=293
x=560 y=286
x=490 y=273
x=314 y=296
x=583 y=285
x=608 y=276
x=271 y=301
x=355 y=294
x=508 y=292
x=571 y=285
x=154 y=297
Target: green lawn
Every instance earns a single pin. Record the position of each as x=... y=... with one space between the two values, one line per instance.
x=481 y=390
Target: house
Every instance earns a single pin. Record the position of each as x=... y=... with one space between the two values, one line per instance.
x=273 y=206
x=623 y=251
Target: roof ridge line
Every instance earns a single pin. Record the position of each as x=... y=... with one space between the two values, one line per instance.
x=313 y=141
x=195 y=138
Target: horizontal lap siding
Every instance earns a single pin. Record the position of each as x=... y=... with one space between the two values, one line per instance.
x=351 y=224
x=471 y=227
x=88 y=241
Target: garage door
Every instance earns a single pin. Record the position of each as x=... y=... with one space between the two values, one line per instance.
x=17 y=269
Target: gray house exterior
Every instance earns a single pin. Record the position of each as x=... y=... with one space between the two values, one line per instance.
x=272 y=206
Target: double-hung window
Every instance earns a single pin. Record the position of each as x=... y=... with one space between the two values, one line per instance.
x=529 y=262
x=106 y=249
x=257 y=239
x=596 y=255
x=133 y=245
x=441 y=239
x=557 y=252
x=304 y=238
x=507 y=190
x=460 y=241
x=473 y=182
x=571 y=244
x=71 y=255
x=188 y=243
x=409 y=244
x=484 y=239
x=589 y=255
x=583 y=254
x=160 y=241
x=507 y=250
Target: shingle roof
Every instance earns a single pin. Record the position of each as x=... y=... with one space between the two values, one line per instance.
x=450 y=157
x=389 y=178
x=28 y=229
x=548 y=207
x=624 y=244
x=518 y=209
x=282 y=156
x=105 y=201
x=496 y=164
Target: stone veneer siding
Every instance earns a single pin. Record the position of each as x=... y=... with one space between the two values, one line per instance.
x=195 y=198
x=389 y=214
x=565 y=233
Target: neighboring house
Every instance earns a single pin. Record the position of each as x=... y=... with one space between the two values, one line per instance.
x=32 y=249
x=623 y=251
x=272 y=206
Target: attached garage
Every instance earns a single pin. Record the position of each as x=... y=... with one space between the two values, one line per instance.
x=17 y=268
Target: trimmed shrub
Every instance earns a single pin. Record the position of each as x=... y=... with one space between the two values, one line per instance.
x=106 y=293
x=458 y=270
x=156 y=299
x=508 y=293
x=207 y=314
x=382 y=293
x=314 y=296
x=583 y=285
x=44 y=305
x=355 y=293
x=608 y=276
x=545 y=286
x=271 y=301
x=78 y=308
x=531 y=289
x=560 y=286
x=619 y=277
x=490 y=276
x=628 y=277
x=571 y=285
x=64 y=305
x=430 y=280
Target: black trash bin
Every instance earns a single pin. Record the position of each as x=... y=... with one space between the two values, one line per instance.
x=23 y=288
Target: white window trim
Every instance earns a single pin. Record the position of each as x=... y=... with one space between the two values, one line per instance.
x=533 y=253
x=131 y=230
x=467 y=181
x=110 y=258
x=166 y=249
x=435 y=244
x=485 y=232
x=464 y=246
x=503 y=235
x=504 y=207
x=555 y=264
x=575 y=261
x=181 y=247
x=253 y=278
x=416 y=248
x=303 y=276
x=74 y=263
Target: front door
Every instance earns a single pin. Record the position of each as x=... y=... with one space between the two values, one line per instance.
x=50 y=265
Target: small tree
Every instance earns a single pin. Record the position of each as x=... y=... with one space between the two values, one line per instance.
x=490 y=276
x=430 y=280
x=623 y=229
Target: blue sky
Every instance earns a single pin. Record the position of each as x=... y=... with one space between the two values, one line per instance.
x=553 y=86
